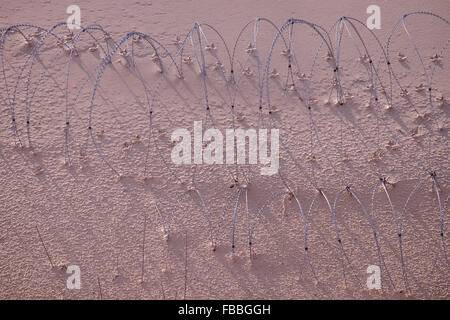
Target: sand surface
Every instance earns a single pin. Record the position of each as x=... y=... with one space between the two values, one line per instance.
x=95 y=205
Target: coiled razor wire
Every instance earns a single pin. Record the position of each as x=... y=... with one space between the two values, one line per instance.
x=198 y=41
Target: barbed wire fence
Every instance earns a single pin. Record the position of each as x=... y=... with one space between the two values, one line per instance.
x=204 y=53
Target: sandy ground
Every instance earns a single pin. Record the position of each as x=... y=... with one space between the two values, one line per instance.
x=86 y=215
